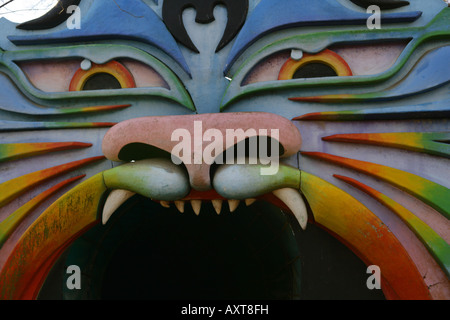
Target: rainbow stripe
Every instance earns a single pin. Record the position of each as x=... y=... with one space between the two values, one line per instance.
x=437 y=246
x=346 y=98
x=335 y=98
x=433 y=194
x=91 y=109
x=12 y=189
x=432 y=110
x=8 y=126
x=10 y=224
x=41 y=111
x=16 y=151
x=430 y=143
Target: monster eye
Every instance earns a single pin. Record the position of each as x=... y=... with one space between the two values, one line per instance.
x=62 y=75
x=324 y=64
x=336 y=61
x=94 y=71
x=112 y=75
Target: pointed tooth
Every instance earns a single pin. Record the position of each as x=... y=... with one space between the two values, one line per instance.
x=115 y=199
x=180 y=206
x=217 y=204
x=233 y=204
x=249 y=202
x=165 y=204
x=196 y=206
x=293 y=199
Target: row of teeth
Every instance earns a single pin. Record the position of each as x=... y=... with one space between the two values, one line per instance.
x=291 y=198
x=217 y=204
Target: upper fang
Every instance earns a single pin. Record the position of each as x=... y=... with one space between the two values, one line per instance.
x=294 y=201
x=233 y=204
x=196 y=206
x=115 y=199
x=217 y=204
x=180 y=206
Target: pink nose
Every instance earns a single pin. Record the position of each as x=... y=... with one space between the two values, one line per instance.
x=158 y=132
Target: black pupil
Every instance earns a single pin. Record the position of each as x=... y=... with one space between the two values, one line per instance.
x=314 y=70
x=101 y=81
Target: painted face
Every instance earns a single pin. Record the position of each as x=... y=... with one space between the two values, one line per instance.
x=226 y=146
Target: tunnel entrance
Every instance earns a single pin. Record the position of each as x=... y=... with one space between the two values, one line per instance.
x=248 y=254
x=147 y=252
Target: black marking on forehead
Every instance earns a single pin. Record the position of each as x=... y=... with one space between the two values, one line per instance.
x=172 y=16
x=383 y=4
x=57 y=15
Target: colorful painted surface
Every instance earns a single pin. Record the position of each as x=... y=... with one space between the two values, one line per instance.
x=344 y=105
x=13 y=151
x=432 y=193
x=432 y=143
x=24 y=271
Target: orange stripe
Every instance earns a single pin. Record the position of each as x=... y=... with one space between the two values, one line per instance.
x=11 y=223
x=16 y=151
x=12 y=189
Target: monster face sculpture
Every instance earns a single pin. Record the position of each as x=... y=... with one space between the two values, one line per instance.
x=128 y=135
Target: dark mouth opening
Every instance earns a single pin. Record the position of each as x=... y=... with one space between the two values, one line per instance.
x=245 y=255
x=147 y=252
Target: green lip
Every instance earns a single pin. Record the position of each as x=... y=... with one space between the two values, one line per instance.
x=246 y=181
x=154 y=178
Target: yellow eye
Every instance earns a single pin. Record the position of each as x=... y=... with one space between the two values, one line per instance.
x=324 y=64
x=111 y=75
